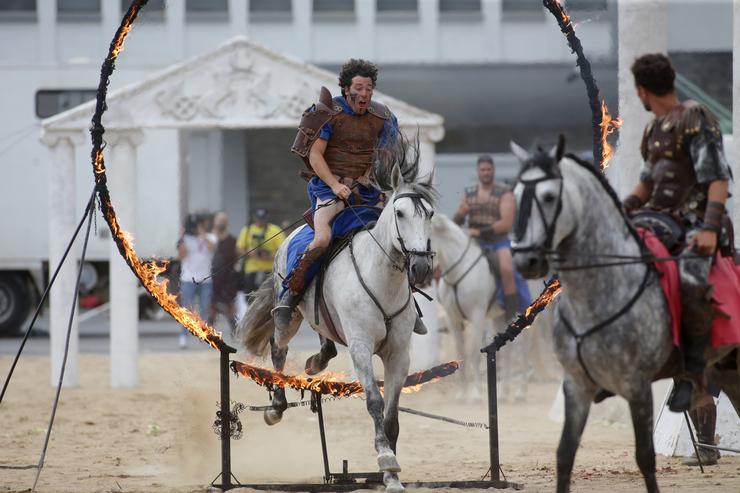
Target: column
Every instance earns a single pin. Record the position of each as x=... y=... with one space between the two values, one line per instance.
x=175 y=20
x=734 y=153
x=429 y=29
x=46 y=10
x=302 y=25
x=63 y=219
x=365 y=32
x=124 y=312
x=238 y=15
x=642 y=29
x=427 y=138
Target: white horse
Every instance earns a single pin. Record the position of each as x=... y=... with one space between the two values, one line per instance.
x=466 y=292
x=367 y=289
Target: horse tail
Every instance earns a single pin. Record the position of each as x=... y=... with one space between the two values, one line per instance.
x=256 y=327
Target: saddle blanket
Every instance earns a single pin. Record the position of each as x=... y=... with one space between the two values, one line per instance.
x=724 y=276
x=522 y=288
x=345 y=222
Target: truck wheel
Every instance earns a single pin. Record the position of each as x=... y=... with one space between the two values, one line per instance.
x=15 y=303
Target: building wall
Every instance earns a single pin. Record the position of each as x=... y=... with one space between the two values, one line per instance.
x=45 y=53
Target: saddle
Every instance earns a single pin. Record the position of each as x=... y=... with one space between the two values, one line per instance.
x=671 y=231
x=335 y=248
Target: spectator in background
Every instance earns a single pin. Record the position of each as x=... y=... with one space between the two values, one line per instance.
x=259 y=242
x=195 y=249
x=224 y=275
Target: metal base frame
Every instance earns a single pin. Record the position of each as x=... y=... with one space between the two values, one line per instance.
x=347 y=481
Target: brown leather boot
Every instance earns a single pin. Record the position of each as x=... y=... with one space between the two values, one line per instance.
x=696 y=325
x=282 y=314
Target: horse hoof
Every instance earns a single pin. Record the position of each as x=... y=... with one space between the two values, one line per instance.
x=394 y=486
x=314 y=365
x=272 y=417
x=388 y=463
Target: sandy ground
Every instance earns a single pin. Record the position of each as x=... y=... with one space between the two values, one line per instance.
x=158 y=437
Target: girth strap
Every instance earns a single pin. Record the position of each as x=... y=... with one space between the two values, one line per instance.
x=387 y=318
x=580 y=337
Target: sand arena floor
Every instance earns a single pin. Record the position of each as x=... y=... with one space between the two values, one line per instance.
x=158 y=437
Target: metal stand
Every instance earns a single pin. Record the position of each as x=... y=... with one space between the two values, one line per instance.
x=225 y=412
x=347 y=481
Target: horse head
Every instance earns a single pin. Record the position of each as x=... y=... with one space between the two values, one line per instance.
x=410 y=207
x=544 y=218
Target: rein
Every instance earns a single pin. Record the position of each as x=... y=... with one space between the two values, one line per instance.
x=596 y=328
x=464 y=274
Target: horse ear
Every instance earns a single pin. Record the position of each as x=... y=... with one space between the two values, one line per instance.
x=520 y=153
x=558 y=151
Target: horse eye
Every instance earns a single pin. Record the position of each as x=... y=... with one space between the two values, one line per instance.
x=548 y=198
x=431 y=214
x=399 y=214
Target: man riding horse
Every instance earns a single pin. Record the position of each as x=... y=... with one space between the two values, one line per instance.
x=685 y=175
x=337 y=139
x=489 y=208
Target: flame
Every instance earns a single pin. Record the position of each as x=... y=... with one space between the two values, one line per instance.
x=117 y=43
x=147 y=272
x=332 y=383
x=550 y=293
x=608 y=126
x=99 y=166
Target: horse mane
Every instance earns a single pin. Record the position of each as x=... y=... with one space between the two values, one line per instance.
x=404 y=154
x=607 y=187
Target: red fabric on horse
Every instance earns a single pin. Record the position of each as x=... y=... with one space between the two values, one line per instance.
x=668 y=281
x=724 y=276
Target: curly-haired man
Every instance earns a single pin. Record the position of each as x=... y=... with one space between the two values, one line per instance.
x=686 y=175
x=337 y=140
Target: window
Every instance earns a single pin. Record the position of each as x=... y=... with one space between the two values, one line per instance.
x=51 y=102
x=152 y=11
x=334 y=10
x=397 y=9
x=522 y=8
x=586 y=5
x=20 y=10
x=207 y=10
x=270 y=10
x=460 y=9
x=78 y=10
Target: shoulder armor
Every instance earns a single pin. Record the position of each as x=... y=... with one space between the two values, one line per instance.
x=379 y=110
x=471 y=191
x=501 y=188
x=694 y=117
x=311 y=122
x=645 y=138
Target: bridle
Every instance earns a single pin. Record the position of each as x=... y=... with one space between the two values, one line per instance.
x=525 y=209
x=407 y=253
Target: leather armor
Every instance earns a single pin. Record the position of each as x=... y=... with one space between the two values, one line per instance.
x=351 y=149
x=666 y=153
x=482 y=214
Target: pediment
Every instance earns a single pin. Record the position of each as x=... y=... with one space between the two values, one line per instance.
x=240 y=84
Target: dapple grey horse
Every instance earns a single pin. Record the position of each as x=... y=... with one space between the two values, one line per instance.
x=611 y=327
x=367 y=288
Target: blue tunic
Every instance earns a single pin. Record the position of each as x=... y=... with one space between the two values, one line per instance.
x=347 y=220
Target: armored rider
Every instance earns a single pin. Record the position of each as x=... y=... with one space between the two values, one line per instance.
x=338 y=139
x=489 y=208
x=685 y=174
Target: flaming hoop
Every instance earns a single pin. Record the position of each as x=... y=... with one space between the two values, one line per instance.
x=332 y=383
x=146 y=272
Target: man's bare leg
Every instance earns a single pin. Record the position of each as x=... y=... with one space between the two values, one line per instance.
x=325 y=210
x=506 y=269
